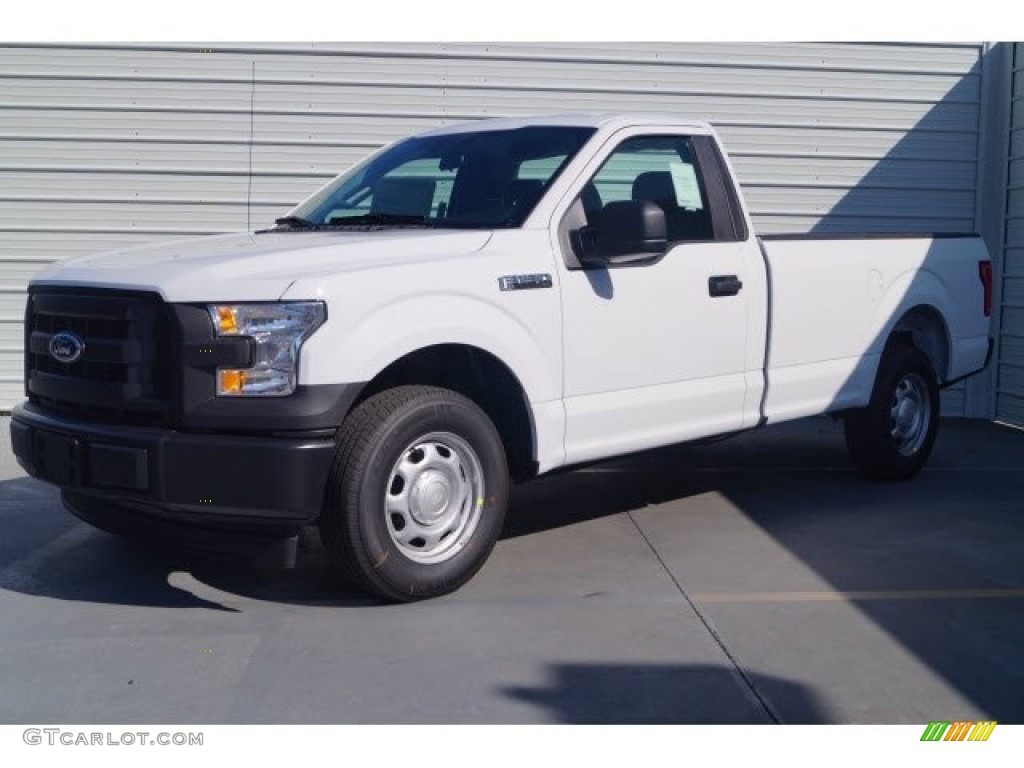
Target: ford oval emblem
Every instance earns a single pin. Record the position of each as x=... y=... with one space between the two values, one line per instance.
x=66 y=347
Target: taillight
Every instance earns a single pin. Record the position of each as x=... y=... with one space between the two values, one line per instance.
x=985 y=273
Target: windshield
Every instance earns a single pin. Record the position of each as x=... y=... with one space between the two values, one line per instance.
x=485 y=179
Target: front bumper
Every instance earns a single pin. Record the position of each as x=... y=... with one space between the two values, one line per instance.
x=194 y=477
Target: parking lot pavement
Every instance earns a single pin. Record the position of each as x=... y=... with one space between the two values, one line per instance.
x=756 y=580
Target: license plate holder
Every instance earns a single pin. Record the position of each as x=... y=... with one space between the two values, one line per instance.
x=58 y=458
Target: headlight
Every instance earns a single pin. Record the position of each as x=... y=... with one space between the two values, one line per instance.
x=277 y=331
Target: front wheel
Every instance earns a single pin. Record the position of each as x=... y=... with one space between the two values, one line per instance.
x=417 y=494
x=892 y=437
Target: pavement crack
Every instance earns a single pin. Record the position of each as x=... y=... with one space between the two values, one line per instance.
x=768 y=709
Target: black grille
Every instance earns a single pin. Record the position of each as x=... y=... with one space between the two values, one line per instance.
x=126 y=371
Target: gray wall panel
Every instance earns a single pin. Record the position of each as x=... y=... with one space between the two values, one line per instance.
x=104 y=146
x=1014 y=268
x=106 y=125
x=124 y=186
x=1010 y=374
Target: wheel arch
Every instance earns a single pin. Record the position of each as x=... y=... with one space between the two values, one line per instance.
x=923 y=326
x=480 y=376
x=914 y=309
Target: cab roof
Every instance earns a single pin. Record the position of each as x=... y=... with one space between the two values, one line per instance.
x=607 y=120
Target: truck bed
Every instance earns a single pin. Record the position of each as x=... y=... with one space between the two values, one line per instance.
x=834 y=302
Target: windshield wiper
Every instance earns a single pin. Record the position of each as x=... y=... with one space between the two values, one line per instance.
x=363 y=220
x=294 y=221
x=380 y=219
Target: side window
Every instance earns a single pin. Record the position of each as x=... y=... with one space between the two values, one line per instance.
x=661 y=170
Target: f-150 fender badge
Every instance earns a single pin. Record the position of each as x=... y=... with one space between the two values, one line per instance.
x=524 y=282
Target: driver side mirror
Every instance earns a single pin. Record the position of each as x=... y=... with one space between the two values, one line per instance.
x=627 y=232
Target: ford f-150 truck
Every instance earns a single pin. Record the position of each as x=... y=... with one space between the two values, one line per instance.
x=472 y=306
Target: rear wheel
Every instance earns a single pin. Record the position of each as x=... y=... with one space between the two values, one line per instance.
x=417 y=494
x=892 y=438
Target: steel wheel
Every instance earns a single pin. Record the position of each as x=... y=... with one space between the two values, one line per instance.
x=417 y=493
x=910 y=413
x=893 y=435
x=434 y=497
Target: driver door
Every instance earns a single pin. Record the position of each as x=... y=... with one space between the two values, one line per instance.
x=654 y=353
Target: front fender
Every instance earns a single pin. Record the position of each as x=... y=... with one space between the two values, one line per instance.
x=358 y=348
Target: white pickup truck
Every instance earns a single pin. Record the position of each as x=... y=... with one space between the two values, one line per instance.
x=477 y=304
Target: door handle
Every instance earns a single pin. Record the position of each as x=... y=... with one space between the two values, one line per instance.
x=724 y=285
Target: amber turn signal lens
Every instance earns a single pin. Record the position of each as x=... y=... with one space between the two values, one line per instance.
x=226 y=323
x=230 y=381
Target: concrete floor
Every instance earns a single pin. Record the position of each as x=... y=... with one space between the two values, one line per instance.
x=757 y=580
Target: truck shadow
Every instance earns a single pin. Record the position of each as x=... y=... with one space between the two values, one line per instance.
x=48 y=552
x=956 y=526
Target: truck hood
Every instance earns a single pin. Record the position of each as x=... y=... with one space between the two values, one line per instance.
x=256 y=266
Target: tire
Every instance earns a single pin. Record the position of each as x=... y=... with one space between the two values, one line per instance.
x=892 y=438
x=417 y=493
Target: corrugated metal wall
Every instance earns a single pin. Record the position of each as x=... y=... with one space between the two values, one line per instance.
x=101 y=146
x=1010 y=375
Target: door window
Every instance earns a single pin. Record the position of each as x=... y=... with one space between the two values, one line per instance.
x=658 y=169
